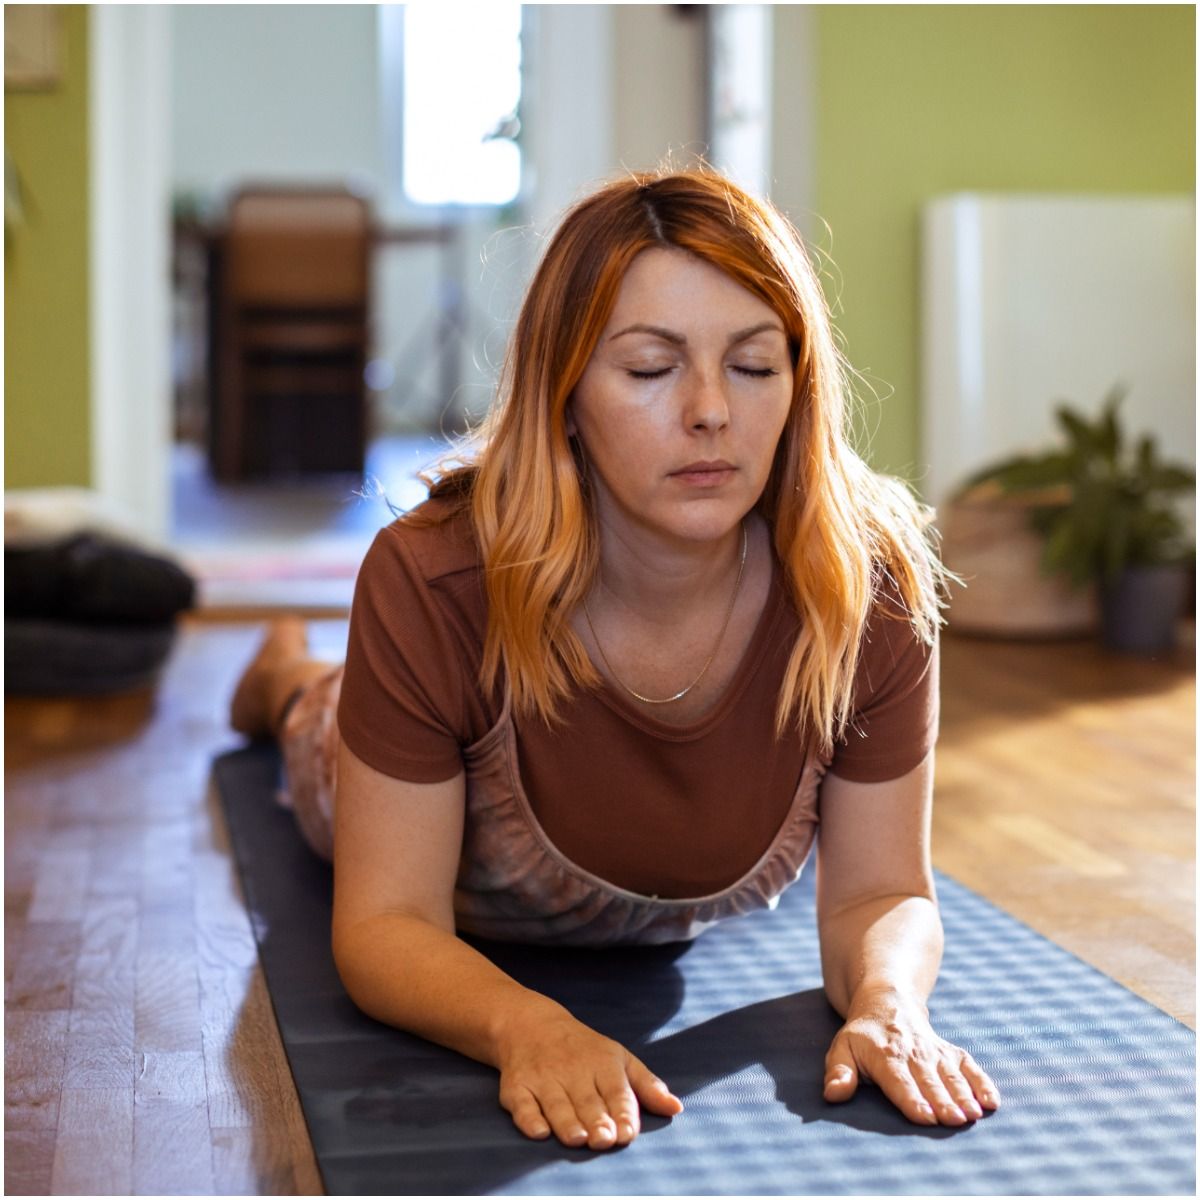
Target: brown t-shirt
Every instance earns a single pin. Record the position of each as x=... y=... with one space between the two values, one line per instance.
x=658 y=809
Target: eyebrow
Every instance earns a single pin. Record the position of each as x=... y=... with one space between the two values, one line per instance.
x=678 y=339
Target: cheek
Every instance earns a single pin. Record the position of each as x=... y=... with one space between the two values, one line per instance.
x=769 y=433
x=623 y=445
x=616 y=423
x=774 y=420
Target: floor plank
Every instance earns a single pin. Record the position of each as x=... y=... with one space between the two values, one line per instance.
x=93 y=1153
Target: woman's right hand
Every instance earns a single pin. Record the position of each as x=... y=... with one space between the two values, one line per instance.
x=558 y=1076
x=396 y=856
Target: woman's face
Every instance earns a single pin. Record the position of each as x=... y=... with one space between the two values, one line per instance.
x=683 y=401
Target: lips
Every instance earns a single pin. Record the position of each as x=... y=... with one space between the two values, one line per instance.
x=709 y=475
x=704 y=468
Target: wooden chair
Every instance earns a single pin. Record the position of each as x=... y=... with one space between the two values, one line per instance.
x=291 y=308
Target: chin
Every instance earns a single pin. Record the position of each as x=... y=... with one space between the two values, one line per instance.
x=707 y=521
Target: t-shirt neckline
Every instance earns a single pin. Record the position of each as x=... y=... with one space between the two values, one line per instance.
x=772 y=612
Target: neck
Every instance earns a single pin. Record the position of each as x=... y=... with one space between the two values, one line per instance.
x=657 y=577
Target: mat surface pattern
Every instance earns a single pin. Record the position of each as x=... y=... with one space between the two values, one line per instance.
x=1097 y=1085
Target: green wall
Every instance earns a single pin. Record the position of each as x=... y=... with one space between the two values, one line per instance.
x=47 y=421
x=917 y=100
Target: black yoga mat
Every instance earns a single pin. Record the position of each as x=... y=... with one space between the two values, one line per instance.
x=1097 y=1085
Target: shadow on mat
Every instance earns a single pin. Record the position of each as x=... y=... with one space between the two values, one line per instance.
x=629 y=993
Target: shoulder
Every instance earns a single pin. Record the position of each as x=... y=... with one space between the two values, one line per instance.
x=434 y=542
x=427 y=562
x=893 y=651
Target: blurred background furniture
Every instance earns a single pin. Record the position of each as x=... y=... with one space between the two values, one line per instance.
x=290 y=318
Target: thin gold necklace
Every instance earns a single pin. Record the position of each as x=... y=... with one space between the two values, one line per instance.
x=737 y=587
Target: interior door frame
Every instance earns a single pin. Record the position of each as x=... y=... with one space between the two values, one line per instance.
x=130 y=242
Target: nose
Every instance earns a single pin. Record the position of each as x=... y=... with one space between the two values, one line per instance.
x=706 y=406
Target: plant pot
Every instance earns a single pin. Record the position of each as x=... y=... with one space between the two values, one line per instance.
x=1141 y=609
x=986 y=538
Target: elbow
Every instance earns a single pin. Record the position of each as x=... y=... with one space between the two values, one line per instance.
x=352 y=961
x=365 y=954
x=374 y=955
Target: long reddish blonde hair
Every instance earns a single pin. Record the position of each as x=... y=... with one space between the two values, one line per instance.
x=837 y=524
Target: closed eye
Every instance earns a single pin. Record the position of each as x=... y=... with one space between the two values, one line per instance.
x=752 y=372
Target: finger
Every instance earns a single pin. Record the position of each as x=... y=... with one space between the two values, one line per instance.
x=897 y=1084
x=980 y=1081
x=622 y=1104
x=651 y=1091
x=526 y=1112
x=959 y=1090
x=841 y=1071
x=593 y=1112
x=935 y=1093
x=560 y=1112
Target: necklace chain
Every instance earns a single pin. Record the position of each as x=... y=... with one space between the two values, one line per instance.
x=737 y=587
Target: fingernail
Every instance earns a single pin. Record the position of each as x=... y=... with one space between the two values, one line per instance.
x=925 y=1111
x=539 y=1130
x=626 y=1129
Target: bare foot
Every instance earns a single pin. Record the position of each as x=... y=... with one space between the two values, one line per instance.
x=265 y=685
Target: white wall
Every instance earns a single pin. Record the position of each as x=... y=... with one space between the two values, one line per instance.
x=658 y=88
x=273 y=92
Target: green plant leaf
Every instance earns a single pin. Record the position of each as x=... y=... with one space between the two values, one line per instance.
x=1109 y=438
x=1170 y=478
x=1116 y=543
x=1061 y=551
x=1081 y=434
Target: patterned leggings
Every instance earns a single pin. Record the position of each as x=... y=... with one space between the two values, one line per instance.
x=309 y=742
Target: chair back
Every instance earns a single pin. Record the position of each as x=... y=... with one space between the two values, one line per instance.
x=298 y=248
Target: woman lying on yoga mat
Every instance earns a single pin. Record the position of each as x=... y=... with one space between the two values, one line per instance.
x=604 y=683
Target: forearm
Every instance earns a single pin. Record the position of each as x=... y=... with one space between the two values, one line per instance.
x=892 y=943
x=409 y=973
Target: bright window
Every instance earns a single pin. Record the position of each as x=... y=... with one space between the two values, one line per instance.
x=462 y=85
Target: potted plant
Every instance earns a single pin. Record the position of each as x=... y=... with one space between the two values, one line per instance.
x=1108 y=515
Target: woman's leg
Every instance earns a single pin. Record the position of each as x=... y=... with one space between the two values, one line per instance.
x=279 y=672
x=293 y=697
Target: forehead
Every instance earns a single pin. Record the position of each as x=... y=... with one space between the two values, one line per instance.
x=662 y=283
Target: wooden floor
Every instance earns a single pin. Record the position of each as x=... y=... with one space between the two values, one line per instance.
x=141 y=1052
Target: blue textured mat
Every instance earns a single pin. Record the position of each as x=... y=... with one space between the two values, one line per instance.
x=1098 y=1086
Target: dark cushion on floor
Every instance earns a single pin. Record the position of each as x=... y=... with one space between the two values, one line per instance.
x=92 y=578
x=54 y=658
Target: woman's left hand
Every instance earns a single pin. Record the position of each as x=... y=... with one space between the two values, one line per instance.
x=887 y=1040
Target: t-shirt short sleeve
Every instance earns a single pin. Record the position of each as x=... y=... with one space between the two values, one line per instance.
x=401 y=708
x=894 y=723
